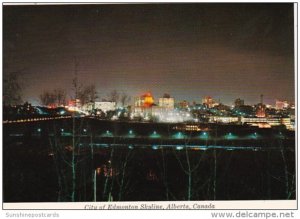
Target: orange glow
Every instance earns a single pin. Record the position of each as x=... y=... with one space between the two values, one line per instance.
x=264 y=125
x=98 y=170
x=148 y=99
x=261 y=112
x=71 y=103
x=51 y=106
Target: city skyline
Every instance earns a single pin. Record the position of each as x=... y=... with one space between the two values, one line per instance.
x=226 y=51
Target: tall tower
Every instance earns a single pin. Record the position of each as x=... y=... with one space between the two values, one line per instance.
x=261 y=110
x=261 y=99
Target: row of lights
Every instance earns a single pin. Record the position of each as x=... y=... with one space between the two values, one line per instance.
x=34 y=119
x=178 y=135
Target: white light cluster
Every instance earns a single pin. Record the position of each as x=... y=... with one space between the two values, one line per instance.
x=174 y=116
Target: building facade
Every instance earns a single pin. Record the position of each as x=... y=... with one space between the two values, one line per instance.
x=267 y=122
x=166 y=103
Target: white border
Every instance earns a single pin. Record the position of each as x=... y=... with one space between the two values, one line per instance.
x=181 y=205
x=280 y=204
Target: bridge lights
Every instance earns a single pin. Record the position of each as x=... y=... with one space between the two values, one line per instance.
x=178 y=135
x=204 y=135
x=281 y=135
x=230 y=136
x=154 y=135
x=108 y=133
x=254 y=135
x=154 y=147
x=131 y=133
x=179 y=148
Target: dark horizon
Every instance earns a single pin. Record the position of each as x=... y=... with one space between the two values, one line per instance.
x=226 y=51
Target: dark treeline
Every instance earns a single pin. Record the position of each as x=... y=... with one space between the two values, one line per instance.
x=39 y=166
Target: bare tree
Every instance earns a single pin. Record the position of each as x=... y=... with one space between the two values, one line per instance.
x=76 y=89
x=188 y=165
x=45 y=98
x=289 y=187
x=60 y=96
x=75 y=83
x=12 y=89
x=124 y=99
x=114 y=96
x=87 y=94
x=56 y=97
x=123 y=179
x=92 y=93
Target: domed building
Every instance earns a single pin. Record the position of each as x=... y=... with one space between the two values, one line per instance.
x=144 y=105
x=145 y=100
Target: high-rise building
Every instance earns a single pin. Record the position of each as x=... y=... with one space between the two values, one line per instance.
x=239 y=102
x=208 y=101
x=182 y=105
x=261 y=108
x=279 y=105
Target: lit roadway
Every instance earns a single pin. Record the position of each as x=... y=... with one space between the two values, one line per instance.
x=35 y=119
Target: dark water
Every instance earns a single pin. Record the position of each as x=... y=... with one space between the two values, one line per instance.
x=37 y=167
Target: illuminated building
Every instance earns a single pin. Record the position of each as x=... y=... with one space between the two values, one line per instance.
x=239 y=102
x=279 y=105
x=146 y=109
x=261 y=111
x=191 y=127
x=166 y=102
x=209 y=102
x=143 y=105
x=223 y=119
x=261 y=108
x=183 y=105
x=145 y=100
x=103 y=106
x=267 y=122
x=74 y=105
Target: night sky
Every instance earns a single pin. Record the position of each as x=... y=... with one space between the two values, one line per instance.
x=187 y=50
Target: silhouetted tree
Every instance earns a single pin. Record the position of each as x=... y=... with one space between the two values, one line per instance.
x=87 y=94
x=55 y=97
x=60 y=96
x=12 y=89
x=124 y=99
x=188 y=165
x=114 y=96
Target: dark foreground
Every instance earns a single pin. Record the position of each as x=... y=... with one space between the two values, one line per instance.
x=42 y=166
